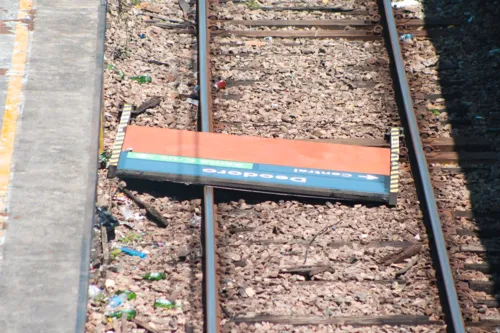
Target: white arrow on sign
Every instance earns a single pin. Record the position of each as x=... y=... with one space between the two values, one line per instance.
x=369 y=177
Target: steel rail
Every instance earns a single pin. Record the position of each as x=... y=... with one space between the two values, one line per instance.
x=211 y=301
x=205 y=104
x=211 y=290
x=423 y=172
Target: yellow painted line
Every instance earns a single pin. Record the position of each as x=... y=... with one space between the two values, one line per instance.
x=12 y=105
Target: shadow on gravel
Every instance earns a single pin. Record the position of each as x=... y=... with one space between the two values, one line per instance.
x=252 y=198
x=468 y=105
x=177 y=191
x=174 y=191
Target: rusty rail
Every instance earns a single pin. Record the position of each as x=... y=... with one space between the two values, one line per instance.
x=450 y=298
x=211 y=261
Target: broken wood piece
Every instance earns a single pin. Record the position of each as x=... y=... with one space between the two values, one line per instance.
x=152 y=212
x=226 y=312
x=144 y=325
x=105 y=251
x=234 y=230
x=156 y=62
x=163 y=18
x=412 y=263
x=148 y=104
x=185 y=7
x=306 y=271
x=412 y=231
x=170 y=25
x=322 y=231
x=254 y=43
x=488 y=287
x=489 y=303
x=151 y=9
x=401 y=255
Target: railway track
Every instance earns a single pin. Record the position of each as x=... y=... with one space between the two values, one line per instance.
x=258 y=276
x=332 y=73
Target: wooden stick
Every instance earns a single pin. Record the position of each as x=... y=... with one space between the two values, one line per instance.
x=156 y=62
x=401 y=255
x=322 y=231
x=226 y=312
x=161 y=17
x=152 y=212
x=145 y=326
x=148 y=104
x=105 y=251
x=170 y=25
x=408 y=266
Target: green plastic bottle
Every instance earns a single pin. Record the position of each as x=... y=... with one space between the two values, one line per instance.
x=141 y=78
x=166 y=304
x=155 y=276
x=130 y=294
x=105 y=156
x=131 y=313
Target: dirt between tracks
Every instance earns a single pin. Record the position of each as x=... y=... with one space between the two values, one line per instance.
x=260 y=241
x=311 y=89
x=134 y=48
x=252 y=10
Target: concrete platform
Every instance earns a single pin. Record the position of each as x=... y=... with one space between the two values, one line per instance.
x=51 y=54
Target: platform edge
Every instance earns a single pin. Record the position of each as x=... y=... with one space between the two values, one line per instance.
x=89 y=215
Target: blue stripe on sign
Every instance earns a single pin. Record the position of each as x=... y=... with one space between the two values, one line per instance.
x=267 y=173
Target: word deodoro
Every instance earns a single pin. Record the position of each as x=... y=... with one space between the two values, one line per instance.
x=246 y=174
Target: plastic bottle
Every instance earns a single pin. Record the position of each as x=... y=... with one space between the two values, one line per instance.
x=128 y=293
x=117 y=300
x=166 y=304
x=141 y=78
x=133 y=252
x=131 y=313
x=155 y=276
x=105 y=156
x=126 y=212
x=94 y=291
x=406 y=37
